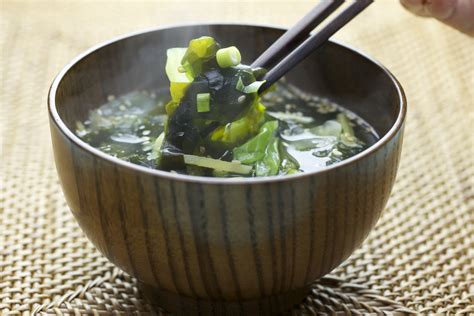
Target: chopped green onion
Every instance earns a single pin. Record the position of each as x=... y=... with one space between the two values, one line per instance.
x=233 y=167
x=345 y=124
x=240 y=85
x=228 y=57
x=253 y=87
x=203 y=102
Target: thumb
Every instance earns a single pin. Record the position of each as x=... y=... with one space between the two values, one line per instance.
x=456 y=13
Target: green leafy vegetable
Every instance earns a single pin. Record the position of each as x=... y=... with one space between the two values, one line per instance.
x=345 y=124
x=253 y=87
x=236 y=132
x=173 y=65
x=254 y=149
x=262 y=150
x=314 y=142
x=270 y=163
x=350 y=141
x=289 y=164
x=179 y=81
x=200 y=50
x=329 y=128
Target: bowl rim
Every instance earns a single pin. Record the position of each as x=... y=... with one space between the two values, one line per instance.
x=62 y=127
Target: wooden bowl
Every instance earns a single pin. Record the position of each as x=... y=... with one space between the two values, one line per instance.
x=224 y=246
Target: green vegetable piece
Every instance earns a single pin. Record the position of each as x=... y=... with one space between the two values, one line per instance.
x=292 y=171
x=203 y=101
x=259 y=72
x=312 y=143
x=329 y=128
x=270 y=163
x=233 y=167
x=289 y=164
x=240 y=85
x=236 y=132
x=179 y=81
x=199 y=51
x=228 y=57
x=201 y=47
x=345 y=124
x=253 y=87
x=173 y=65
x=156 y=148
x=350 y=141
x=254 y=149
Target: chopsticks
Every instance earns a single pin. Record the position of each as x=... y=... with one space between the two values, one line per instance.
x=299 y=32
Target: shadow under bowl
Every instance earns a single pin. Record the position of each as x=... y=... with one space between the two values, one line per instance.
x=224 y=246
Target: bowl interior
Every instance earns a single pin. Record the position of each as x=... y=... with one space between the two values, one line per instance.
x=137 y=62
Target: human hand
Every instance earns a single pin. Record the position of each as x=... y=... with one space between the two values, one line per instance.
x=456 y=13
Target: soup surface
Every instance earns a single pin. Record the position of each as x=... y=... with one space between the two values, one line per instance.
x=311 y=133
x=222 y=118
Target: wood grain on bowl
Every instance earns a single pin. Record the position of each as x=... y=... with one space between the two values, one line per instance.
x=224 y=246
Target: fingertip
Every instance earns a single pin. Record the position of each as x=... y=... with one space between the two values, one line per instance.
x=441 y=9
x=415 y=6
x=411 y=3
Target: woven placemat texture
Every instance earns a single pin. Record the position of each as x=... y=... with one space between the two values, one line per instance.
x=419 y=258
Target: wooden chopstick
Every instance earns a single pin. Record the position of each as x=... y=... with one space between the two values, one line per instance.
x=313 y=42
x=297 y=34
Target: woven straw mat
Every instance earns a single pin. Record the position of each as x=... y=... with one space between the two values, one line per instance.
x=419 y=258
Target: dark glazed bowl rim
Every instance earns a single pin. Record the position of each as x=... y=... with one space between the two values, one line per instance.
x=209 y=180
